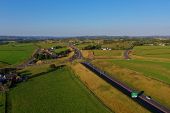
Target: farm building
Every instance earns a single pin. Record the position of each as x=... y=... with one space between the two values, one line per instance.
x=7 y=74
x=106 y=49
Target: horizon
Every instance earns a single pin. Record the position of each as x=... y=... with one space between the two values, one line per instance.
x=83 y=36
x=77 y=18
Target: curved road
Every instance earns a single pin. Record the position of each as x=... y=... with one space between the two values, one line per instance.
x=30 y=61
x=77 y=54
x=126 y=54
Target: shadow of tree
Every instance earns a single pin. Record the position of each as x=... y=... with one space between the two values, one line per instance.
x=27 y=75
x=30 y=76
x=49 y=71
x=24 y=73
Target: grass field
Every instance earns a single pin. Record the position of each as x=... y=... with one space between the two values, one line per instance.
x=152 y=51
x=15 y=53
x=60 y=50
x=3 y=65
x=2 y=102
x=49 y=44
x=81 y=46
x=101 y=54
x=156 y=70
x=118 y=45
x=108 y=53
x=55 y=92
x=110 y=96
x=139 y=75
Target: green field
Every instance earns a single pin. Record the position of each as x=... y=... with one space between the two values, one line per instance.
x=60 y=50
x=152 y=51
x=81 y=46
x=49 y=44
x=149 y=76
x=120 y=45
x=3 y=65
x=54 y=92
x=110 y=96
x=153 y=69
x=143 y=72
x=108 y=53
x=103 y=54
x=2 y=102
x=15 y=53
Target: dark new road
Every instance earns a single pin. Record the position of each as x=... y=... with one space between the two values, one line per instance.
x=77 y=54
x=29 y=61
x=142 y=99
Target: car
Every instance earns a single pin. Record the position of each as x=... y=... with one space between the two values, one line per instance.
x=148 y=97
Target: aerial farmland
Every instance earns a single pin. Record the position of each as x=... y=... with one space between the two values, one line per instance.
x=41 y=80
x=84 y=56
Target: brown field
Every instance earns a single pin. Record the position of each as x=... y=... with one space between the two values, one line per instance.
x=101 y=54
x=87 y=54
x=158 y=90
x=110 y=96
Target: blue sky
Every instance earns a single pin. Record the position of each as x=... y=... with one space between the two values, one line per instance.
x=84 y=17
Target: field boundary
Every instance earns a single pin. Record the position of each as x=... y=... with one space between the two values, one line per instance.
x=7 y=99
x=5 y=62
x=150 y=104
x=90 y=90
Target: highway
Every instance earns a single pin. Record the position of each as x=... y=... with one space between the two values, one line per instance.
x=142 y=99
x=150 y=104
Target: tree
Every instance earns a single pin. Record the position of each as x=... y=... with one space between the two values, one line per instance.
x=52 y=66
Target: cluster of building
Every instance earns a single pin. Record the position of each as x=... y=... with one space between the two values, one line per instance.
x=7 y=75
x=106 y=48
x=48 y=53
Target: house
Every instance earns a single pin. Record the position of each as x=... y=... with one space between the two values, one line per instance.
x=106 y=49
x=7 y=77
x=2 y=79
x=161 y=44
x=7 y=74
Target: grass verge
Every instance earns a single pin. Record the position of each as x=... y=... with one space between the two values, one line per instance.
x=136 y=80
x=110 y=96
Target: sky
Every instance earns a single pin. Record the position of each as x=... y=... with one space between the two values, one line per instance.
x=84 y=17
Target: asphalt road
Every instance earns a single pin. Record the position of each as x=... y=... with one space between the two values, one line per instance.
x=126 y=54
x=77 y=54
x=30 y=61
x=142 y=99
x=150 y=104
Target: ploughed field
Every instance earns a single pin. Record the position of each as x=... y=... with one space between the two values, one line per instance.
x=15 y=53
x=55 y=91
